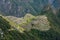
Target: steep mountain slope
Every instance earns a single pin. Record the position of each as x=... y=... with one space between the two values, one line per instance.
x=19 y=25
x=20 y=7
x=29 y=22
x=33 y=34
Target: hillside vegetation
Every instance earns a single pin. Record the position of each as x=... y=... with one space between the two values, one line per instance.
x=9 y=32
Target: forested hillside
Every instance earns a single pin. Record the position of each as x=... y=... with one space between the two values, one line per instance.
x=7 y=32
x=29 y=20
x=19 y=8
x=33 y=34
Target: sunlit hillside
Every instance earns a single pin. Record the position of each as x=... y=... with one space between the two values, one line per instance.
x=29 y=20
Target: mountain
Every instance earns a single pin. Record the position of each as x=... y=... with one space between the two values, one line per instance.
x=6 y=32
x=56 y=4
x=19 y=8
x=29 y=20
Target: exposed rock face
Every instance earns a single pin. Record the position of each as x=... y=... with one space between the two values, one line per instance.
x=15 y=19
x=41 y=23
x=21 y=20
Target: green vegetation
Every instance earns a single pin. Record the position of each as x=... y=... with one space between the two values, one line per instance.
x=14 y=25
x=53 y=33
